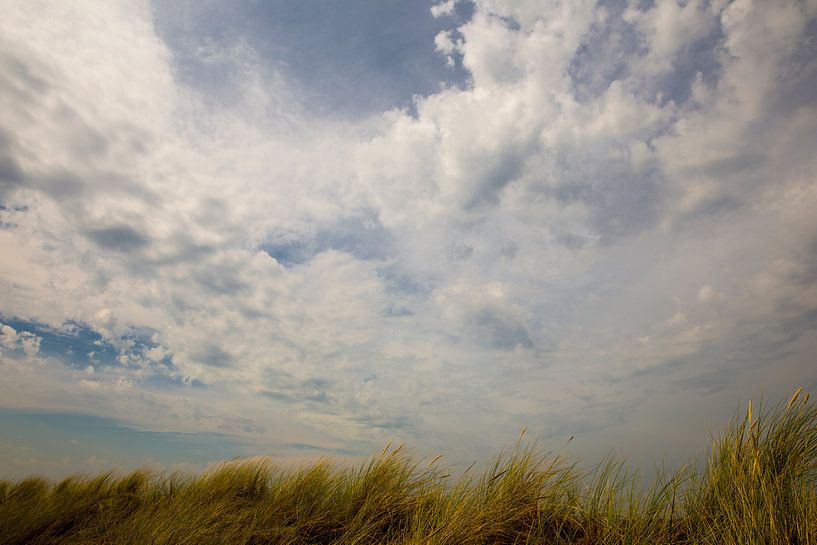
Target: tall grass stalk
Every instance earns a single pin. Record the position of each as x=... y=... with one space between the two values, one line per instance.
x=758 y=484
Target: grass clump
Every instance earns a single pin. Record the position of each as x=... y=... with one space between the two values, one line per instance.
x=758 y=484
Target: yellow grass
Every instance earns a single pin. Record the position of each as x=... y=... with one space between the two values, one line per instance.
x=756 y=485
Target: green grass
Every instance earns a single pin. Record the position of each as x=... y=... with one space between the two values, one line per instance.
x=757 y=485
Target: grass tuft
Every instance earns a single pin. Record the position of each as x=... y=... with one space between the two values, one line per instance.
x=757 y=484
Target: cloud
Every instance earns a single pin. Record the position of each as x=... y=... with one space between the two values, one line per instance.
x=9 y=336
x=615 y=195
x=361 y=235
x=670 y=30
x=443 y=8
x=25 y=341
x=122 y=238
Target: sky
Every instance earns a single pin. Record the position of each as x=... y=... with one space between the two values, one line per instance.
x=305 y=228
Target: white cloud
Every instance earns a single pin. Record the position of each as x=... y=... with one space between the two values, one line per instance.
x=447 y=46
x=11 y=339
x=8 y=336
x=731 y=150
x=30 y=343
x=443 y=8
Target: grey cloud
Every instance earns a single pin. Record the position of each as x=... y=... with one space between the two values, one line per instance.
x=390 y=423
x=223 y=278
x=715 y=206
x=22 y=87
x=798 y=325
x=509 y=250
x=213 y=355
x=740 y=177
x=495 y=171
x=397 y=311
x=613 y=48
x=277 y=396
x=717 y=366
x=317 y=448
x=797 y=88
x=626 y=204
x=713 y=366
x=39 y=101
x=706 y=383
x=62 y=186
x=741 y=162
x=313 y=390
x=121 y=238
x=605 y=54
x=460 y=251
x=289 y=253
x=317 y=397
x=233 y=424
x=754 y=163
x=622 y=202
x=86 y=140
x=361 y=235
x=11 y=175
x=569 y=239
x=399 y=281
x=708 y=371
x=500 y=331
x=806 y=273
x=77 y=192
x=181 y=247
x=18 y=76
x=698 y=59
x=316 y=382
x=702 y=371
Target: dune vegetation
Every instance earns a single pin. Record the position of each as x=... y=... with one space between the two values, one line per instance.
x=757 y=484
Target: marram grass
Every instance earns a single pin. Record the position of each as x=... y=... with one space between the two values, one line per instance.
x=757 y=486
